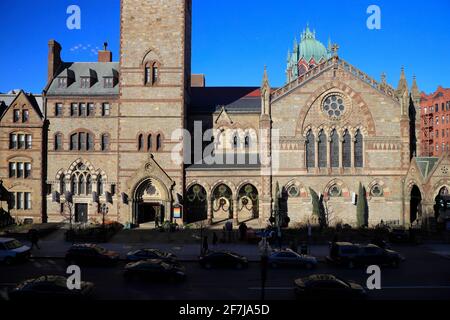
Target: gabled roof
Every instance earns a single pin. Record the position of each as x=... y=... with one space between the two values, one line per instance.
x=77 y=70
x=36 y=101
x=233 y=99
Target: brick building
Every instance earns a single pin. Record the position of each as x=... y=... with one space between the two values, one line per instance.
x=115 y=139
x=435 y=122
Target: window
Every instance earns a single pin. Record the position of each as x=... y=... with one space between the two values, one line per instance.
x=20 y=170
x=106 y=110
x=359 y=150
x=334 y=149
x=158 y=142
x=100 y=185
x=16 y=115
x=89 y=185
x=13 y=141
x=62 y=185
x=29 y=141
x=27 y=170
x=376 y=191
x=437 y=133
x=235 y=141
x=148 y=75
x=19 y=201
x=12 y=169
x=62 y=82
x=247 y=142
x=58 y=110
x=155 y=74
x=58 y=142
x=81 y=141
x=322 y=150
x=22 y=201
x=85 y=82
x=334 y=106
x=347 y=150
x=335 y=191
x=83 y=112
x=310 y=150
x=25 y=116
x=109 y=82
x=140 y=142
x=90 y=109
x=437 y=121
x=105 y=142
x=151 y=74
x=74 y=110
x=27 y=201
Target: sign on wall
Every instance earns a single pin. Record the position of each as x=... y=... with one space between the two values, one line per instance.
x=178 y=212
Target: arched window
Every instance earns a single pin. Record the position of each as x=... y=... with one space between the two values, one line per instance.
x=81 y=141
x=151 y=73
x=89 y=185
x=62 y=185
x=150 y=142
x=158 y=142
x=105 y=142
x=322 y=150
x=359 y=150
x=155 y=73
x=141 y=142
x=347 y=150
x=100 y=185
x=310 y=150
x=73 y=184
x=58 y=142
x=148 y=74
x=81 y=185
x=235 y=141
x=334 y=149
x=247 y=142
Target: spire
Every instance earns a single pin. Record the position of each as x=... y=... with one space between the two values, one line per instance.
x=265 y=81
x=265 y=94
x=402 y=84
x=415 y=89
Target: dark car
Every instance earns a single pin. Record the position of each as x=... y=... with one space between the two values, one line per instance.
x=284 y=258
x=327 y=286
x=223 y=259
x=154 y=270
x=353 y=255
x=50 y=287
x=149 y=254
x=91 y=254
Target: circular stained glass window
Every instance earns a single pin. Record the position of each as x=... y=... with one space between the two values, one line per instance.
x=377 y=191
x=334 y=106
x=294 y=192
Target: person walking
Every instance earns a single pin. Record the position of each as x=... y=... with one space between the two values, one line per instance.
x=34 y=238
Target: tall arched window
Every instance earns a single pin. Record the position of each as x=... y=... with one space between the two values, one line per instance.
x=347 y=150
x=141 y=142
x=247 y=142
x=235 y=141
x=81 y=185
x=73 y=184
x=158 y=142
x=359 y=143
x=100 y=185
x=322 y=150
x=89 y=185
x=334 y=149
x=81 y=141
x=310 y=150
x=150 y=142
x=58 y=142
x=62 y=185
x=155 y=73
x=151 y=76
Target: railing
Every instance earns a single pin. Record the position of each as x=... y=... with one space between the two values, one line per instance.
x=339 y=64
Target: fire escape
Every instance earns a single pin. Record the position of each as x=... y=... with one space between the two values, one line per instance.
x=427 y=134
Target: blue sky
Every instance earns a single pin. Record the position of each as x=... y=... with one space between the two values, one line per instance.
x=234 y=39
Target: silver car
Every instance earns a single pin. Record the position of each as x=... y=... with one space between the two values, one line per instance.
x=285 y=258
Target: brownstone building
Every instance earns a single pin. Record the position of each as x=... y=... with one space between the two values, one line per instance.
x=23 y=150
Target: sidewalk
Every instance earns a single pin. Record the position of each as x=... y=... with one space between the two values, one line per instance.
x=54 y=247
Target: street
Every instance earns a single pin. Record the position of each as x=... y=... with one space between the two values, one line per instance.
x=424 y=276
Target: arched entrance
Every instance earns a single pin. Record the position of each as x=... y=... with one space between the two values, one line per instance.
x=415 y=207
x=150 y=203
x=196 y=204
x=248 y=201
x=440 y=206
x=222 y=203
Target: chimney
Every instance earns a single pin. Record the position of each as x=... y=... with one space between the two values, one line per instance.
x=105 y=55
x=54 y=59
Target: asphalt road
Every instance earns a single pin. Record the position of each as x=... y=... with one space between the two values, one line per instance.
x=424 y=276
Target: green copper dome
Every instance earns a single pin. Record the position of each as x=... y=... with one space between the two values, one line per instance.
x=310 y=48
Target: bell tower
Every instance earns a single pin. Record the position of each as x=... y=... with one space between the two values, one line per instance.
x=155 y=69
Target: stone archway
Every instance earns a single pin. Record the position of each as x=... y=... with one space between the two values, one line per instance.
x=150 y=203
x=196 y=203
x=248 y=203
x=222 y=203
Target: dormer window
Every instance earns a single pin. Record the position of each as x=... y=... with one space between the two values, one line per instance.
x=109 y=82
x=85 y=82
x=62 y=82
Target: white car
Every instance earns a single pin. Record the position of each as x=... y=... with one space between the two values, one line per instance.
x=12 y=250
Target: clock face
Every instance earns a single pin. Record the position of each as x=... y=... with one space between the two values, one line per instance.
x=334 y=106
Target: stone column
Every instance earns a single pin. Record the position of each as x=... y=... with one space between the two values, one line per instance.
x=235 y=210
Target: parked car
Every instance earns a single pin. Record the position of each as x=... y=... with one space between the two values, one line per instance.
x=91 y=254
x=148 y=254
x=281 y=258
x=327 y=286
x=155 y=270
x=223 y=259
x=353 y=255
x=12 y=250
x=49 y=287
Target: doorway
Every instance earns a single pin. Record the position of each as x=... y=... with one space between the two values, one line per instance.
x=81 y=213
x=149 y=213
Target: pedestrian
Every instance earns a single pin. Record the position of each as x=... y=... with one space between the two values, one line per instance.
x=215 y=239
x=34 y=238
x=205 y=245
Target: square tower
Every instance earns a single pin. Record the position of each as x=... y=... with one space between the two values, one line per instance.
x=155 y=61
